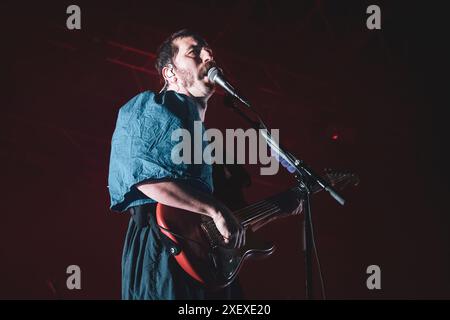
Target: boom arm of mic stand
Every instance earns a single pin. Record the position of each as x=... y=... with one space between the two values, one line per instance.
x=308 y=176
x=300 y=167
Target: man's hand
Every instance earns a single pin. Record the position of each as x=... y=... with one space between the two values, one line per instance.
x=293 y=206
x=229 y=227
x=181 y=195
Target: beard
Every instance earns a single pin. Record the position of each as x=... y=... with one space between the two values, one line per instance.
x=188 y=79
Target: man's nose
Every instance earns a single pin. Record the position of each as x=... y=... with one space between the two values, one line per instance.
x=206 y=56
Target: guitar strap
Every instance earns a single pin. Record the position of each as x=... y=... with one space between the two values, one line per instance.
x=144 y=216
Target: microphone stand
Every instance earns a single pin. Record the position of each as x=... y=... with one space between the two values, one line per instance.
x=305 y=177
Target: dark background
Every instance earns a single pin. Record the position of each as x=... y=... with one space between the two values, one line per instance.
x=312 y=69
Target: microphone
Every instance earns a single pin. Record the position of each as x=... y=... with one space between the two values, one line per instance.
x=215 y=75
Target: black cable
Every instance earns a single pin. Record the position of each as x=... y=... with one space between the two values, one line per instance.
x=313 y=238
x=263 y=126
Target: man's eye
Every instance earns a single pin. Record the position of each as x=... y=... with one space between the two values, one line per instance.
x=194 y=52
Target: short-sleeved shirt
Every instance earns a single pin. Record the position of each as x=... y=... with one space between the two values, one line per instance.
x=141 y=151
x=142 y=145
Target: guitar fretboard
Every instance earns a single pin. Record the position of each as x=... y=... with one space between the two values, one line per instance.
x=271 y=206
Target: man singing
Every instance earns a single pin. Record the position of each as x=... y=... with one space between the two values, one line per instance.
x=142 y=174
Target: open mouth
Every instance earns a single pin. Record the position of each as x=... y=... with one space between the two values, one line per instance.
x=204 y=70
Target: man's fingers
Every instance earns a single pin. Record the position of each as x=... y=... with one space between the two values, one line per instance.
x=233 y=234
x=238 y=238
x=227 y=237
x=239 y=234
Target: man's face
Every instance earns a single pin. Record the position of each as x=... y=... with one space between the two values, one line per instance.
x=190 y=67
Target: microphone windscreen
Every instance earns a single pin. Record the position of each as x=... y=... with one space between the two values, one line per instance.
x=212 y=73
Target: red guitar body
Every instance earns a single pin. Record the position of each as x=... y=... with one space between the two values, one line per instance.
x=202 y=254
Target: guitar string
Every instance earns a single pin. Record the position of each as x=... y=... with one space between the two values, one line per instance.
x=259 y=204
x=251 y=216
x=263 y=206
x=246 y=214
x=244 y=210
x=250 y=207
x=315 y=188
x=261 y=217
x=211 y=225
x=270 y=199
x=268 y=210
x=218 y=237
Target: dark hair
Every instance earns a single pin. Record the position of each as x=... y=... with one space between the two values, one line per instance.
x=167 y=50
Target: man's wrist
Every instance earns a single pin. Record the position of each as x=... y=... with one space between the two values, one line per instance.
x=215 y=210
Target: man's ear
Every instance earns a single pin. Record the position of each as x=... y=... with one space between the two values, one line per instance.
x=168 y=74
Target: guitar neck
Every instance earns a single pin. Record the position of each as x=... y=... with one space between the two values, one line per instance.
x=277 y=204
x=263 y=209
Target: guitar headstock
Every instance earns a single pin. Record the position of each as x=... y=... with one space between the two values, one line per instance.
x=341 y=178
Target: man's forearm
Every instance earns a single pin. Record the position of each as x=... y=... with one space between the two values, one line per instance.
x=180 y=195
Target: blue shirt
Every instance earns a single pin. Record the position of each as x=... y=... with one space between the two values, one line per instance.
x=141 y=150
x=141 y=147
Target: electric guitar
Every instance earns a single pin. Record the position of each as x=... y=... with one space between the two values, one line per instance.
x=201 y=251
